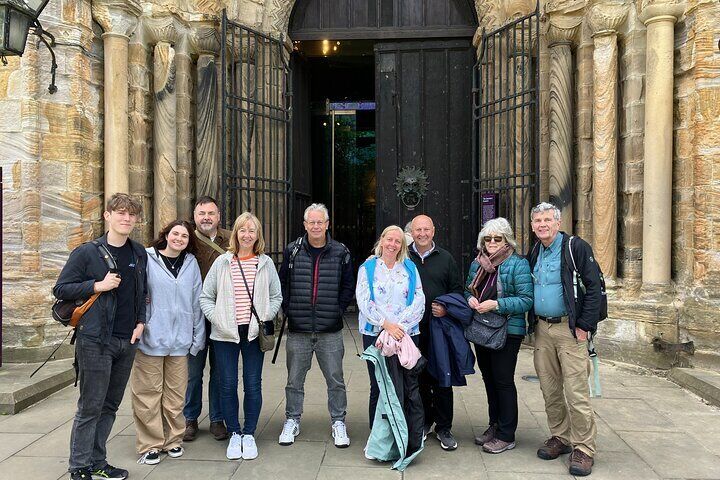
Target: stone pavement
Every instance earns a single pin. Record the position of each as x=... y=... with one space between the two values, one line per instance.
x=648 y=428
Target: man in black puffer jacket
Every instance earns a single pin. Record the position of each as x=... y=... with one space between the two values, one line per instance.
x=317 y=282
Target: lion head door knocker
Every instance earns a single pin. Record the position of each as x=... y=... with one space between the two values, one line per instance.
x=411 y=185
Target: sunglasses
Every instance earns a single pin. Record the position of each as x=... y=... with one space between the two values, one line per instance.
x=497 y=239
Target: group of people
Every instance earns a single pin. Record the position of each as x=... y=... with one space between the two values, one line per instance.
x=200 y=292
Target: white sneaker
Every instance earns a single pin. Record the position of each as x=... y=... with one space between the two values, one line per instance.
x=234 y=449
x=290 y=430
x=249 y=447
x=339 y=433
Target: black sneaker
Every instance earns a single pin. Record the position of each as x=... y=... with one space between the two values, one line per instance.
x=447 y=441
x=82 y=474
x=108 y=471
x=149 y=458
x=175 y=452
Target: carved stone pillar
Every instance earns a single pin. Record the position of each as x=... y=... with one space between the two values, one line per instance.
x=561 y=33
x=118 y=18
x=604 y=20
x=183 y=89
x=165 y=137
x=659 y=18
x=207 y=166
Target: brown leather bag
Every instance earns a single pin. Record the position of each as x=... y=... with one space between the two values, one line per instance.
x=80 y=311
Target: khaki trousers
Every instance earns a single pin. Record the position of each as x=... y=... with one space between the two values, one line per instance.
x=563 y=366
x=158 y=396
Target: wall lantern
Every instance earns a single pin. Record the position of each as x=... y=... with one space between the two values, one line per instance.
x=17 y=17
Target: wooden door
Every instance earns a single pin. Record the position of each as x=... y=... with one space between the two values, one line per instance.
x=424 y=105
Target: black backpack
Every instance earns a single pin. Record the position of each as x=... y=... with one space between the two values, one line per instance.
x=577 y=281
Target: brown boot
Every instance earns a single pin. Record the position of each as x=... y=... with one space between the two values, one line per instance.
x=218 y=430
x=487 y=435
x=553 y=448
x=580 y=463
x=191 y=430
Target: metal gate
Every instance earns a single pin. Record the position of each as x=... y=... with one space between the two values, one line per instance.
x=256 y=140
x=506 y=127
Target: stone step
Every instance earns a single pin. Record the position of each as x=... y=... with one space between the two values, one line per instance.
x=18 y=391
x=705 y=383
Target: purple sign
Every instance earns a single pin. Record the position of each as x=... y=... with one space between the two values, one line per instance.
x=488 y=206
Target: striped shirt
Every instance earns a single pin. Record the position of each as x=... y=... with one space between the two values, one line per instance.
x=242 y=299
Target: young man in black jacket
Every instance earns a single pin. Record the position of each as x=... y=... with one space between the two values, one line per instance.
x=566 y=308
x=317 y=283
x=439 y=275
x=107 y=333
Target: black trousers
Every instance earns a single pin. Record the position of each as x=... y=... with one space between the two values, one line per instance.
x=437 y=401
x=374 y=389
x=498 y=371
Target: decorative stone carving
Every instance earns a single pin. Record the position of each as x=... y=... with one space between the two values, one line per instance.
x=604 y=18
x=207 y=168
x=165 y=137
x=561 y=33
x=119 y=17
x=204 y=37
x=183 y=89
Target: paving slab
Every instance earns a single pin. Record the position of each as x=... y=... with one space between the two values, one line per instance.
x=181 y=469
x=16 y=467
x=276 y=462
x=345 y=473
x=631 y=415
x=674 y=455
x=11 y=443
x=18 y=390
x=705 y=383
x=647 y=428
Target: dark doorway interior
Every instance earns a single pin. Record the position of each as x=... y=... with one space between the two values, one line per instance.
x=335 y=137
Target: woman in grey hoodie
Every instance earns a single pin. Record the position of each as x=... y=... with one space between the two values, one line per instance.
x=175 y=327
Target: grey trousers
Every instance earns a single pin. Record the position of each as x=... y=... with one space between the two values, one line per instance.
x=329 y=349
x=103 y=373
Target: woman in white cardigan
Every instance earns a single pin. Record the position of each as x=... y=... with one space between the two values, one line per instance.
x=241 y=295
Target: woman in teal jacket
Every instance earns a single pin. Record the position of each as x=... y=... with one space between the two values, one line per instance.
x=499 y=280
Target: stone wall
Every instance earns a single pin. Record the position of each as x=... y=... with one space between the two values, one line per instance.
x=53 y=153
x=52 y=171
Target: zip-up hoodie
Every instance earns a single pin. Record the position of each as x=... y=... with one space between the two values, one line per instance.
x=175 y=325
x=218 y=298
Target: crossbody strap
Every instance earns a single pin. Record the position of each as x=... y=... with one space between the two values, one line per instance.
x=207 y=241
x=250 y=294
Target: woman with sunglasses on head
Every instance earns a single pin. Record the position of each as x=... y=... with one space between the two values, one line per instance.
x=175 y=327
x=499 y=281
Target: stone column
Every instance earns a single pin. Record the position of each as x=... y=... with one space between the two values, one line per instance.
x=659 y=18
x=207 y=118
x=183 y=89
x=604 y=20
x=118 y=18
x=561 y=34
x=165 y=137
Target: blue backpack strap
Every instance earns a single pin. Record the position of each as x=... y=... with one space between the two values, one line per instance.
x=370 y=271
x=412 y=279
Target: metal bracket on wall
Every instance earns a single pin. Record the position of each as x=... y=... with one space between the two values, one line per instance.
x=668 y=347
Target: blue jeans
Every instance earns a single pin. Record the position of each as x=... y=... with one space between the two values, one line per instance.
x=193 y=395
x=226 y=357
x=103 y=373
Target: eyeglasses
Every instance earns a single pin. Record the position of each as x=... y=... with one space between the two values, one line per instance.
x=498 y=239
x=317 y=223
